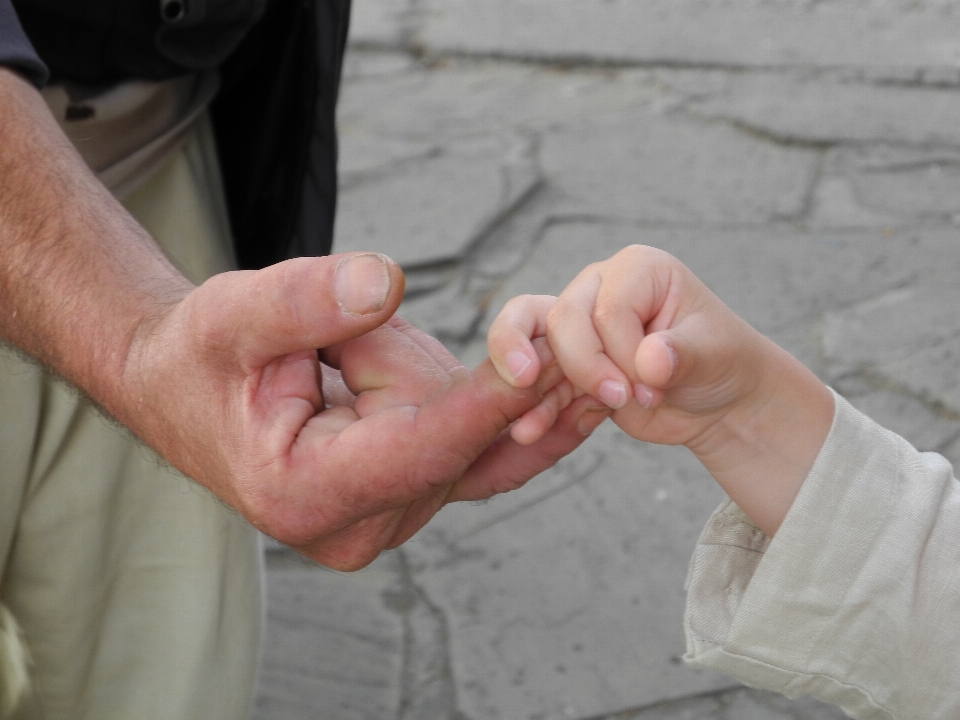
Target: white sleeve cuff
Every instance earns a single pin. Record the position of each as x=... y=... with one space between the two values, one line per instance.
x=848 y=602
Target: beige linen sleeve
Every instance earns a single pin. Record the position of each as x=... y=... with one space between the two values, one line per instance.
x=856 y=600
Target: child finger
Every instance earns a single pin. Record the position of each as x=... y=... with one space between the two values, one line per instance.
x=509 y=338
x=535 y=423
x=617 y=316
x=578 y=346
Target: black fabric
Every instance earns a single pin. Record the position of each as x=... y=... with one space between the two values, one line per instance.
x=15 y=49
x=314 y=233
x=274 y=121
x=103 y=41
x=274 y=118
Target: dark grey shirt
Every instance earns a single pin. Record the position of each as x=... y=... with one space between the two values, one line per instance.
x=15 y=49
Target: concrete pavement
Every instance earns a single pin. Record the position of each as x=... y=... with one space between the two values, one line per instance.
x=801 y=156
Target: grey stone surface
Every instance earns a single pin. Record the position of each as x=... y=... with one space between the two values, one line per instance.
x=760 y=33
x=801 y=157
x=565 y=599
x=907 y=183
x=360 y=66
x=451 y=314
x=453 y=98
x=430 y=203
x=926 y=427
x=885 y=185
x=933 y=374
x=886 y=328
x=736 y=704
x=952 y=452
x=367 y=157
x=810 y=109
x=332 y=644
x=773 y=277
x=668 y=167
x=382 y=22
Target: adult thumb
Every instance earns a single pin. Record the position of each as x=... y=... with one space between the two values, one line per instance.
x=309 y=303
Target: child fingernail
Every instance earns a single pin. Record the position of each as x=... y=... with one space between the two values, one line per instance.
x=673 y=360
x=644 y=396
x=613 y=393
x=516 y=363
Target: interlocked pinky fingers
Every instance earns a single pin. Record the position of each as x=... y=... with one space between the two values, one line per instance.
x=509 y=339
x=535 y=423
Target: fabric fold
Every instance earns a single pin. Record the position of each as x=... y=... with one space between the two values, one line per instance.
x=855 y=599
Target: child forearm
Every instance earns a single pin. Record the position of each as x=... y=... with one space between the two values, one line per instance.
x=762 y=450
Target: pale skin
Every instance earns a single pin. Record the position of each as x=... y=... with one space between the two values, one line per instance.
x=293 y=393
x=677 y=367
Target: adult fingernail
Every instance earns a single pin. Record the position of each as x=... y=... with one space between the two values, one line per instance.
x=362 y=283
x=613 y=393
x=516 y=363
x=591 y=419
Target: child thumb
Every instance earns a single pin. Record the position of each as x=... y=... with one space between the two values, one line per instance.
x=656 y=360
x=698 y=348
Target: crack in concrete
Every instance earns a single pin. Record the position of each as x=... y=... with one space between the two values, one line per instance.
x=879 y=381
x=636 y=713
x=719 y=704
x=350 y=180
x=420 y=273
x=430 y=56
x=526 y=220
x=918 y=77
x=776 y=223
x=452 y=553
x=808 y=202
x=427 y=688
x=765 y=134
x=472 y=284
x=823 y=147
x=596 y=459
x=921 y=77
x=908 y=167
x=411 y=24
x=508 y=211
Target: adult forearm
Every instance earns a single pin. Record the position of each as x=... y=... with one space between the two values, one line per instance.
x=79 y=277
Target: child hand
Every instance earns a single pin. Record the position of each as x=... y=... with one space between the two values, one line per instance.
x=641 y=333
x=537 y=364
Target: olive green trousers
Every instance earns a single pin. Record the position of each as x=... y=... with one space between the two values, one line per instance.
x=138 y=593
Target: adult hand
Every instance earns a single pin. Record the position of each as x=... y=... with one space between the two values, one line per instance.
x=229 y=388
x=223 y=380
